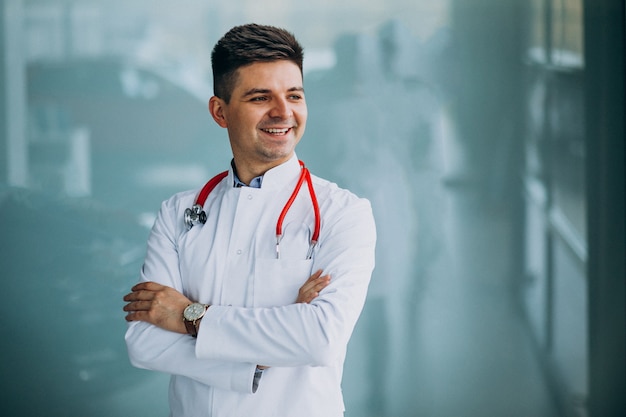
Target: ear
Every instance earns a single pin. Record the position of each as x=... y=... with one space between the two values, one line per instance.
x=216 y=108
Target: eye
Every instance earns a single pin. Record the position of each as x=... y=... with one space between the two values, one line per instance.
x=259 y=98
x=296 y=97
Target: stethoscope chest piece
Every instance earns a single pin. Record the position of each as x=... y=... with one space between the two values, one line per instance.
x=194 y=215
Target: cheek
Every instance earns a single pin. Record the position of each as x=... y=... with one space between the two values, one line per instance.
x=250 y=119
x=240 y=123
x=302 y=117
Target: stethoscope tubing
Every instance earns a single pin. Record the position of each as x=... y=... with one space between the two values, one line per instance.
x=197 y=215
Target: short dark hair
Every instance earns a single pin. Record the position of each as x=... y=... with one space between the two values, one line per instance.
x=247 y=44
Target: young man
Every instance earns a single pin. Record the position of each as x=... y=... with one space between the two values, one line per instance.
x=244 y=325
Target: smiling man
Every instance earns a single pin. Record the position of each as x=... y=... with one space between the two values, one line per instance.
x=249 y=300
x=265 y=116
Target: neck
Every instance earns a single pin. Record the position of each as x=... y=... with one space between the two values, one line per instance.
x=247 y=171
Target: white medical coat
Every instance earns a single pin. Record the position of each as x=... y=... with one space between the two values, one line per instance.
x=230 y=263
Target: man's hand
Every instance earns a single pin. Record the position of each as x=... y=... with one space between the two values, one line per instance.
x=157 y=304
x=312 y=287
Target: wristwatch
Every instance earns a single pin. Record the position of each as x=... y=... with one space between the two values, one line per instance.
x=191 y=315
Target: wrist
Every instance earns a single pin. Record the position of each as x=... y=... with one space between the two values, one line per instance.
x=192 y=316
x=196 y=326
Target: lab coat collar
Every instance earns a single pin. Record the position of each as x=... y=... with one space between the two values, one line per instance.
x=279 y=176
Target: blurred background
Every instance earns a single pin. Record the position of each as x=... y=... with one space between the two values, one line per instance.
x=488 y=135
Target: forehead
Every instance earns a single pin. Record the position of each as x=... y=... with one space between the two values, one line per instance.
x=275 y=75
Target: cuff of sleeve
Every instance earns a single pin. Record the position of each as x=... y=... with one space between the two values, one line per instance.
x=207 y=345
x=242 y=375
x=243 y=378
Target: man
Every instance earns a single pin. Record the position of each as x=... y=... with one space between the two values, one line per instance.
x=244 y=325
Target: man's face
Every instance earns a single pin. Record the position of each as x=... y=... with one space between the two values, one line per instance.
x=266 y=115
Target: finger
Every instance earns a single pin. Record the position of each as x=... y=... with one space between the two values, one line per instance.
x=138 y=306
x=308 y=296
x=312 y=281
x=321 y=284
x=139 y=295
x=314 y=291
x=148 y=286
x=305 y=296
x=310 y=289
x=317 y=285
x=137 y=316
x=311 y=296
x=315 y=275
x=317 y=288
x=308 y=286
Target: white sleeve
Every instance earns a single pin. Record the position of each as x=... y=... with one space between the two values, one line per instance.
x=150 y=347
x=313 y=334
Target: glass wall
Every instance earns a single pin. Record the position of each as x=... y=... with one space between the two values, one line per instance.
x=556 y=231
x=416 y=105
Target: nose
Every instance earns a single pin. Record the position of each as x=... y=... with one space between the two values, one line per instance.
x=281 y=109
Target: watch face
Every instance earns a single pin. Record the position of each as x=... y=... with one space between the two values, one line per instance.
x=194 y=311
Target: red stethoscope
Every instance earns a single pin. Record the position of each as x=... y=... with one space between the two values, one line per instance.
x=197 y=215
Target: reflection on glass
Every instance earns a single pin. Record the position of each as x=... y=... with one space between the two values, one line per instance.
x=537 y=39
x=567 y=33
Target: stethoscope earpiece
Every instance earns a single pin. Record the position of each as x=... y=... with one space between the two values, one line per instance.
x=194 y=215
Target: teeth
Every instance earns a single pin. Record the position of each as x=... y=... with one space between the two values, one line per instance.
x=277 y=131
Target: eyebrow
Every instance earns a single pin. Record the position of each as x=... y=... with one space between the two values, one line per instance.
x=254 y=91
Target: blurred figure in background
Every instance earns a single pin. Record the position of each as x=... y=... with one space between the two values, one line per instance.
x=380 y=122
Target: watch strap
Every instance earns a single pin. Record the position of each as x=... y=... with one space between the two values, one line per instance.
x=191 y=327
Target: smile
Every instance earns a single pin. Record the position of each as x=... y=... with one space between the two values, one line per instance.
x=277 y=131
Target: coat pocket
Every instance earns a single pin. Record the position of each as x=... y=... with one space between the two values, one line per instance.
x=277 y=281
